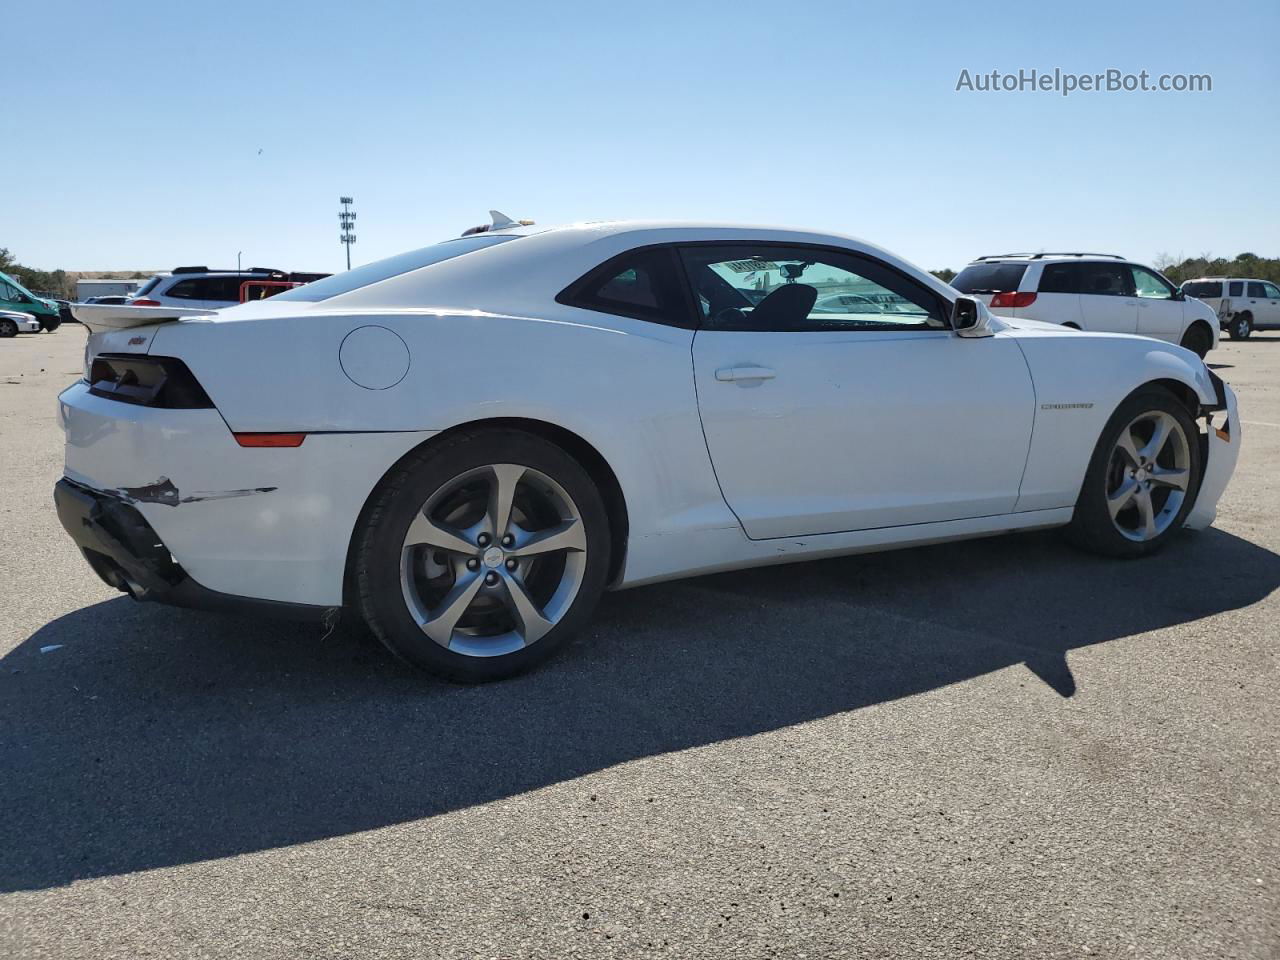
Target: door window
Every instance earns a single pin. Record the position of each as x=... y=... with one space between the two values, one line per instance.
x=1149 y=286
x=770 y=287
x=1061 y=278
x=1235 y=288
x=1272 y=291
x=1106 y=280
x=1255 y=289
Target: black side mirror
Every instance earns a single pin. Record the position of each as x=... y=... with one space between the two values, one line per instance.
x=1179 y=295
x=964 y=315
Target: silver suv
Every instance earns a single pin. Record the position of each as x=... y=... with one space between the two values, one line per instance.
x=214 y=289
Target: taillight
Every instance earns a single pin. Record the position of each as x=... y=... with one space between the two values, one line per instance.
x=143 y=303
x=1009 y=299
x=147 y=381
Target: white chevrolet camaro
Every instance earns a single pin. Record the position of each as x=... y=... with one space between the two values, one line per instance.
x=466 y=444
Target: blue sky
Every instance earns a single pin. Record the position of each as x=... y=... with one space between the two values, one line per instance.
x=148 y=135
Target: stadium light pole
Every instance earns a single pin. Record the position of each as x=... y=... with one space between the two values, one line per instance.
x=347 y=221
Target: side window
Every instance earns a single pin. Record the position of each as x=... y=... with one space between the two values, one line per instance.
x=1106 y=280
x=1255 y=289
x=184 y=290
x=1235 y=289
x=769 y=287
x=1060 y=278
x=640 y=284
x=8 y=293
x=1272 y=291
x=1148 y=285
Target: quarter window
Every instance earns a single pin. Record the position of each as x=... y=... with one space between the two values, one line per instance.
x=1149 y=286
x=768 y=287
x=641 y=284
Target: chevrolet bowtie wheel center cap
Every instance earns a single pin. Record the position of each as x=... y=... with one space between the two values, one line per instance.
x=493 y=557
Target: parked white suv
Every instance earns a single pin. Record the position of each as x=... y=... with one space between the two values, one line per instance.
x=203 y=288
x=1242 y=305
x=1090 y=291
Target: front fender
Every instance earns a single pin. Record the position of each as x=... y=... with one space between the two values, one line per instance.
x=1079 y=380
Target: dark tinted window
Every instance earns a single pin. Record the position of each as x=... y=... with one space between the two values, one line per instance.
x=1255 y=289
x=1060 y=278
x=189 y=290
x=1106 y=279
x=639 y=284
x=147 y=287
x=1202 y=288
x=989 y=277
x=1235 y=289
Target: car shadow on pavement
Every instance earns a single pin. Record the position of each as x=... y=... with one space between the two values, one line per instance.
x=154 y=736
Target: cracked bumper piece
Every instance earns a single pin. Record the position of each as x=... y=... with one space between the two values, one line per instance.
x=1221 y=450
x=124 y=550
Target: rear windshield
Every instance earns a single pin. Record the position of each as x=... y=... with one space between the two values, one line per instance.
x=989 y=277
x=341 y=283
x=1202 y=288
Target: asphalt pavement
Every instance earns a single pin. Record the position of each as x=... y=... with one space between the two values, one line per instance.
x=1000 y=748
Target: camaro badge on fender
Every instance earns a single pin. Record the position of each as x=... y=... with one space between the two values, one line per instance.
x=1065 y=406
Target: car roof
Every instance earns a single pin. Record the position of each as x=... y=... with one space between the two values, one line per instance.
x=1050 y=258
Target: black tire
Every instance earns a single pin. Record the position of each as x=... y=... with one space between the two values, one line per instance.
x=8 y=328
x=397 y=501
x=1091 y=526
x=1198 y=339
x=1240 y=326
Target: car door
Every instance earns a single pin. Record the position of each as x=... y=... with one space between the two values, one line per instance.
x=821 y=422
x=1160 y=313
x=1264 y=301
x=1107 y=301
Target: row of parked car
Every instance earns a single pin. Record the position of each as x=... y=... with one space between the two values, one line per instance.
x=1107 y=293
x=22 y=311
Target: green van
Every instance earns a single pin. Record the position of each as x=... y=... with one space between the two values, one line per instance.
x=15 y=297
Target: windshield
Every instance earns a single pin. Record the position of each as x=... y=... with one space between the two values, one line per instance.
x=989 y=277
x=379 y=270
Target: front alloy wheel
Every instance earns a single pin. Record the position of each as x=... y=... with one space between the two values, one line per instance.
x=1148 y=476
x=482 y=554
x=1142 y=479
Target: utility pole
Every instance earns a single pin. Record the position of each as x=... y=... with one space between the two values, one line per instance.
x=347 y=220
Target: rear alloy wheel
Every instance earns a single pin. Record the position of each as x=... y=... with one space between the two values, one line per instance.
x=1198 y=339
x=8 y=328
x=1142 y=480
x=483 y=556
x=1241 y=326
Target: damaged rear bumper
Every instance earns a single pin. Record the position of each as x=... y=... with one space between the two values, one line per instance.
x=126 y=552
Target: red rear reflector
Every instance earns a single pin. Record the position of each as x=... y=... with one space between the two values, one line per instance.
x=270 y=439
x=143 y=303
x=1013 y=300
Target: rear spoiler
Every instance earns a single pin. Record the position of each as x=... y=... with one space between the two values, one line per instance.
x=102 y=317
